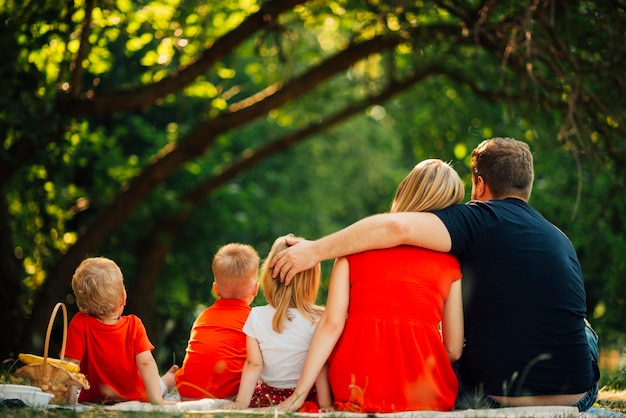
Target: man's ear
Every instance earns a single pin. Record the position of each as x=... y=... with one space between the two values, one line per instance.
x=482 y=190
x=256 y=289
x=216 y=290
x=479 y=187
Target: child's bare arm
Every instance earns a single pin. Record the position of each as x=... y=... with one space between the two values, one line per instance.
x=72 y=393
x=150 y=375
x=326 y=335
x=249 y=375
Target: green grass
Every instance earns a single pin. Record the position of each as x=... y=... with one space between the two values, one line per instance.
x=615 y=380
x=612 y=401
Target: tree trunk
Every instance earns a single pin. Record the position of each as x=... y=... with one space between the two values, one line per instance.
x=10 y=282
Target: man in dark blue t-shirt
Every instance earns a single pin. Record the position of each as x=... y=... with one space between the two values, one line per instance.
x=527 y=339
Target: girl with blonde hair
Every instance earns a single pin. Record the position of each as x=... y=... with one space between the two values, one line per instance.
x=393 y=322
x=278 y=339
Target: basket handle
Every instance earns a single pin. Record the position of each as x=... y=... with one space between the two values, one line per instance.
x=49 y=331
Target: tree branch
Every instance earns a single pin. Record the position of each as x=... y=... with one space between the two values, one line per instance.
x=143 y=96
x=77 y=71
x=163 y=234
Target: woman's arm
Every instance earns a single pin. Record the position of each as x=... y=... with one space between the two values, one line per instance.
x=150 y=375
x=249 y=376
x=452 y=322
x=324 y=394
x=326 y=335
x=421 y=229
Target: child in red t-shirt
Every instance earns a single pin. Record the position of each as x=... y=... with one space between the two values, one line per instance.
x=216 y=350
x=113 y=351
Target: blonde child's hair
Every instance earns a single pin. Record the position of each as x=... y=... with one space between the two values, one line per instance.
x=235 y=269
x=98 y=285
x=300 y=294
x=431 y=185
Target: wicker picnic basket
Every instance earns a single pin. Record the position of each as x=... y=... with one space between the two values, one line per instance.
x=53 y=378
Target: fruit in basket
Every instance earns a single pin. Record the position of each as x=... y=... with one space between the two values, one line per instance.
x=82 y=379
x=33 y=359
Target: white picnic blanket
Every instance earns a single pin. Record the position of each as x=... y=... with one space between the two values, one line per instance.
x=213 y=405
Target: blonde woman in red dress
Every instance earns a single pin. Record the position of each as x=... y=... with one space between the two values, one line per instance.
x=391 y=335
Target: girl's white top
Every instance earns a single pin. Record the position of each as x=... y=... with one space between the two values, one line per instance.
x=284 y=353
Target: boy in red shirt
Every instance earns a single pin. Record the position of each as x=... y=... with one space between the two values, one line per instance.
x=216 y=350
x=113 y=351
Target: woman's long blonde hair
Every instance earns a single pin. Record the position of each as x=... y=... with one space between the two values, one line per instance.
x=300 y=294
x=431 y=185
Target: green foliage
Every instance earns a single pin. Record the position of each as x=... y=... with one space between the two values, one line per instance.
x=615 y=380
x=160 y=98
